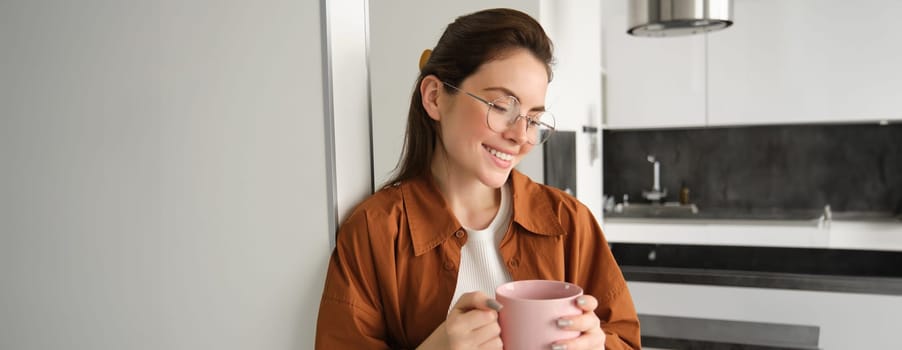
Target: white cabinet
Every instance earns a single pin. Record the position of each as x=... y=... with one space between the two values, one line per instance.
x=846 y=320
x=650 y=82
x=806 y=61
x=800 y=61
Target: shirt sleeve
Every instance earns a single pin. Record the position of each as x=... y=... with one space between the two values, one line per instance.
x=594 y=268
x=350 y=315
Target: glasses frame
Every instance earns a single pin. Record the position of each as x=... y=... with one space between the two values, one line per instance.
x=529 y=119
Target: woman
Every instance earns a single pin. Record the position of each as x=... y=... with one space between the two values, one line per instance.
x=416 y=264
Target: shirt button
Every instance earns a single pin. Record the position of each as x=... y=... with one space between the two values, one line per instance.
x=514 y=262
x=449 y=266
x=459 y=233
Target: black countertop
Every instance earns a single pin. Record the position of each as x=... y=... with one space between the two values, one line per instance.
x=839 y=270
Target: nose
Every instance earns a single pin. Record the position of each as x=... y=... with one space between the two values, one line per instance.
x=517 y=132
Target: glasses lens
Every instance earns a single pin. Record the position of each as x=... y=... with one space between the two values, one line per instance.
x=541 y=126
x=505 y=112
x=502 y=113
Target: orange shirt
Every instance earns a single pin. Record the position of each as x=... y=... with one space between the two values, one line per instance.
x=393 y=272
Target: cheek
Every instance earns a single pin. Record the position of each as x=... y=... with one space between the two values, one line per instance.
x=476 y=116
x=470 y=121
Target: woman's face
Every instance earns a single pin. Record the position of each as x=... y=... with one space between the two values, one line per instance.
x=474 y=150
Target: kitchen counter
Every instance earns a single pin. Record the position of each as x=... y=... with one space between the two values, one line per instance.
x=673 y=211
x=840 y=233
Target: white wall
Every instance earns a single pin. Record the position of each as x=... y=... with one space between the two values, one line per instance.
x=350 y=103
x=162 y=182
x=574 y=95
x=399 y=32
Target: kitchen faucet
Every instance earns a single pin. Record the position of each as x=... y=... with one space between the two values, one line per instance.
x=656 y=193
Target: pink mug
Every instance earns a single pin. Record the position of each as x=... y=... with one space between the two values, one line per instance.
x=530 y=312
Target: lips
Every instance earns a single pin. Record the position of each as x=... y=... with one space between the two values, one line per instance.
x=498 y=154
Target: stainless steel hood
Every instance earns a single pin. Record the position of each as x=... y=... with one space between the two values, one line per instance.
x=678 y=17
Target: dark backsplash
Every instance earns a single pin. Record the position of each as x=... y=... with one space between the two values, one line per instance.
x=789 y=167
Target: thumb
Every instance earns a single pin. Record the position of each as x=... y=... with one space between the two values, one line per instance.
x=476 y=300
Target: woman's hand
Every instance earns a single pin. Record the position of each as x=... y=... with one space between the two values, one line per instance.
x=472 y=324
x=591 y=337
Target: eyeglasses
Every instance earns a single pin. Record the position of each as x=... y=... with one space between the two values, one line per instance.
x=504 y=112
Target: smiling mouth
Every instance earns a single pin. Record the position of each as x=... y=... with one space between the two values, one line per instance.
x=498 y=154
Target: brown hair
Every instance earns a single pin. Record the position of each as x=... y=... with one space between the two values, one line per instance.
x=467 y=43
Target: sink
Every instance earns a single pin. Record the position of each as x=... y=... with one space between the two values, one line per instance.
x=667 y=210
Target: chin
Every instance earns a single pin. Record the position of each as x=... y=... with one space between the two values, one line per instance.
x=495 y=180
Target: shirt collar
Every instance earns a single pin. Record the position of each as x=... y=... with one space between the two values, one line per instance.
x=423 y=202
x=430 y=219
x=535 y=207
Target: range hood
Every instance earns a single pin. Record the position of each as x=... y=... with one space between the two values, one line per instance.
x=663 y=18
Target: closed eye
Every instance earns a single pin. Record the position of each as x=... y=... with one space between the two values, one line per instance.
x=500 y=108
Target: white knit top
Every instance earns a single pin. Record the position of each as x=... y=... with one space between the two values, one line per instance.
x=481 y=266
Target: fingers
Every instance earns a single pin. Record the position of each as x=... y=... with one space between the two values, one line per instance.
x=594 y=340
x=493 y=344
x=588 y=324
x=585 y=322
x=473 y=322
x=476 y=300
x=475 y=309
x=491 y=334
x=587 y=303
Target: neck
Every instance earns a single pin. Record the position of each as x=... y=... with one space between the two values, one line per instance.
x=473 y=203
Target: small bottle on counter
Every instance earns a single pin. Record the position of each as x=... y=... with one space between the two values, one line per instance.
x=684 y=194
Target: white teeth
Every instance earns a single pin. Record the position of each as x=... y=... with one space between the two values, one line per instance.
x=500 y=155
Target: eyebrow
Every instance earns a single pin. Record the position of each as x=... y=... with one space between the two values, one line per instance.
x=511 y=93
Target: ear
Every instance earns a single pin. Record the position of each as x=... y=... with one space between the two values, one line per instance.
x=430 y=89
